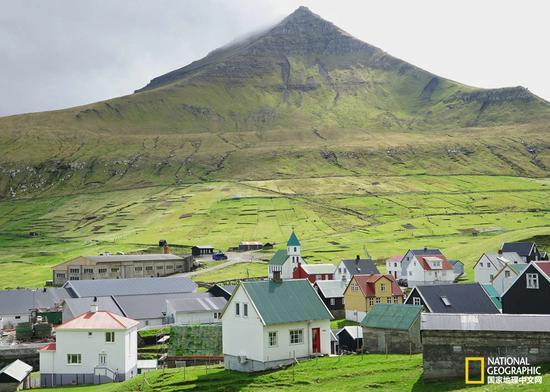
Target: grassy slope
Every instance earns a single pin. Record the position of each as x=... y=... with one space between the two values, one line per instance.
x=391 y=373
x=334 y=216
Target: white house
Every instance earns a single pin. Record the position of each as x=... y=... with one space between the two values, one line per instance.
x=271 y=323
x=202 y=310
x=93 y=348
x=428 y=269
x=489 y=264
x=358 y=266
x=284 y=261
x=507 y=275
x=393 y=266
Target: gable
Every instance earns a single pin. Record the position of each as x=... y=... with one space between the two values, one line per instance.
x=457 y=298
x=279 y=258
x=520 y=281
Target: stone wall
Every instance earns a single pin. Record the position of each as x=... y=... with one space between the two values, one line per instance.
x=444 y=352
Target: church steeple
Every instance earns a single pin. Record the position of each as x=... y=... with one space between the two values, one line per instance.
x=293 y=245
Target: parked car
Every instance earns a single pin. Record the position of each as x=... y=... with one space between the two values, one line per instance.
x=219 y=256
x=403 y=282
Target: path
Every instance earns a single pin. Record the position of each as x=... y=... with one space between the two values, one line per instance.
x=232 y=259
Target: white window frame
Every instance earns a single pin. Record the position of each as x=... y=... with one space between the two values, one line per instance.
x=388 y=300
x=377 y=300
x=109 y=337
x=382 y=287
x=332 y=301
x=76 y=357
x=532 y=280
x=416 y=301
x=272 y=339
x=299 y=334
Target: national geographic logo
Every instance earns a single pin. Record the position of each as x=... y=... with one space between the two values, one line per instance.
x=501 y=370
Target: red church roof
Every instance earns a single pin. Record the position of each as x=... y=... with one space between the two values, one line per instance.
x=98 y=320
x=366 y=284
x=48 y=347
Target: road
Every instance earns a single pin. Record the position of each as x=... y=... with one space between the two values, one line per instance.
x=232 y=258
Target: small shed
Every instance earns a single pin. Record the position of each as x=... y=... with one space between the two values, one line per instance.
x=393 y=328
x=350 y=338
x=250 y=245
x=146 y=365
x=199 y=250
x=15 y=376
x=219 y=290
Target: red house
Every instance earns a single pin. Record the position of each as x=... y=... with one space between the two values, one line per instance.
x=314 y=272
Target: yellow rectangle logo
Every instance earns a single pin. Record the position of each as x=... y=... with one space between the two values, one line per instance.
x=481 y=361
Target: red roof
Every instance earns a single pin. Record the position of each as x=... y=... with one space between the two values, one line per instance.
x=445 y=265
x=544 y=267
x=366 y=283
x=48 y=347
x=396 y=258
x=98 y=320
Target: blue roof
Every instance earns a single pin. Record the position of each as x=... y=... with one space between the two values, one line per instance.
x=293 y=240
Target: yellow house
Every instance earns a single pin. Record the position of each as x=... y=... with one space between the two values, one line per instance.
x=363 y=291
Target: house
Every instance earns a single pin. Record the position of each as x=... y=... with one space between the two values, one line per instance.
x=271 y=323
x=393 y=266
x=506 y=276
x=350 y=338
x=146 y=365
x=15 y=376
x=528 y=251
x=489 y=264
x=16 y=305
x=314 y=272
x=458 y=268
x=331 y=293
x=284 y=261
x=93 y=348
x=452 y=298
x=245 y=246
x=120 y=267
x=364 y=291
x=205 y=310
x=349 y=267
x=426 y=266
x=530 y=291
x=392 y=329
x=134 y=286
x=224 y=291
x=453 y=337
x=200 y=250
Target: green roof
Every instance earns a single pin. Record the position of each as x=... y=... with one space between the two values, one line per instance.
x=396 y=316
x=279 y=258
x=518 y=267
x=293 y=240
x=493 y=294
x=286 y=301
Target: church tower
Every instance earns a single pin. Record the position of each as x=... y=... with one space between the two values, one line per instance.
x=293 y=246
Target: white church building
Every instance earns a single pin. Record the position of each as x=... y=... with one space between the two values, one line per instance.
x=284 y=261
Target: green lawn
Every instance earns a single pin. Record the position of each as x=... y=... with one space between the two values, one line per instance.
x=347 y=373
x=235 y=271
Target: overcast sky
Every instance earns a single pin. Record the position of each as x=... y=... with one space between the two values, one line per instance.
x=62 y=53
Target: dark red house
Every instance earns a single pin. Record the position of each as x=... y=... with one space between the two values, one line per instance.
x=314 y=272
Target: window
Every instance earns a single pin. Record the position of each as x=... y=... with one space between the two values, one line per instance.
x=110 y=337
x=506 y=274
x=333 y=301
x=18 y=317
x=169 y=267
x=272 y=338
x=159 y=267
x=114 y=269
x=395 y=264
x=371 y=301
x=102 y=359
x=245 y=310
x=179 y=265
x=88 y=270
x=237 y=309
x=102 y=270
x=377 y=300
x=382 y=287
x=149 y=268
x=294 y=249
x=296 y=336
x=491 y=277
x=396 y=300
x=481 y=265
x=416 y=301
x=60 y=275
x=89 y=334
x=339 y=270
x=74 y=270
x=318 y=277
x=410 y=273
x=388 y=300
x=138 y=269
x=354 y=287
x=445 y=301
x=74 y=359
x=217 y=315
x=532 y=281
x=74 y=278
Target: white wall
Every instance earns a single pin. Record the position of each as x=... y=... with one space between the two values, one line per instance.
x=342 y=273
x=11 y=320
x=483 y=270
x=393 y=268
x=501 y=282
x=417 y=275
x=242 y=335
x=195 y=317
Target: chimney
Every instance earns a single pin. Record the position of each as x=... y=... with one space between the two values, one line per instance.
x=277 y=276
x=425 y=248
x=500 y=251
x=94 y=307
x=165 y=249
x=357 y=258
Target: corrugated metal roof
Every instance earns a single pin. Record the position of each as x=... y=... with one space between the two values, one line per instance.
x=519 y=267
x=395 y=316
x=360 y=266
x=150 y=306
x=17 y=370
x=129 y=258
x=486 y=322
x=463 y=298
x=286 y=301
x=493 y=294
x=331 y=288
x=78 y=306
x=98 y=320
x=134 y=286
x=279 y=257
x=21 y=301
x=314 y=269
x=204 y=304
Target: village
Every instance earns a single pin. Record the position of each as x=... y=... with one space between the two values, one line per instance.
x=108 y=318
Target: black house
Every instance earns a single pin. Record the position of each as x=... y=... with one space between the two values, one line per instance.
x=224 y=291
x=332 y=294
x=199 y=250
x=350 y=338
x=530 y=292
x=452 y=298
x=527 y=250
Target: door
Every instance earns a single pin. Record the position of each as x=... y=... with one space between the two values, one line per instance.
x=102 y=359
x=316 y=340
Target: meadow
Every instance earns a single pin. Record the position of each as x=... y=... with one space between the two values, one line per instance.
x=334 y=217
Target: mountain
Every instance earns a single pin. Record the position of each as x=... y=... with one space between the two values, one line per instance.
x=301 y=97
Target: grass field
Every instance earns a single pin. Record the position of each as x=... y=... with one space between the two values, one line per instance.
x=348 y=373
x=334 y=217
